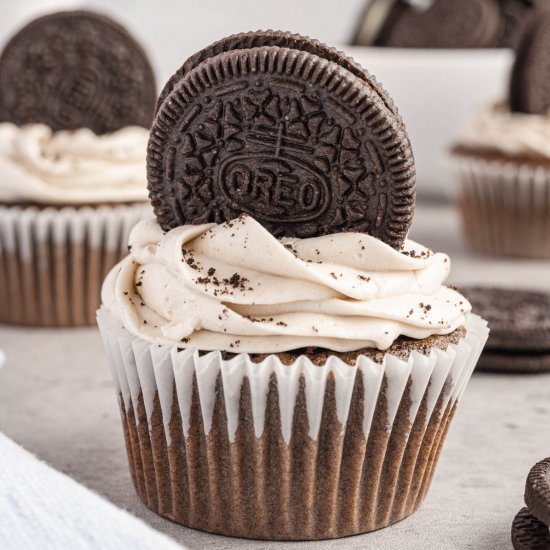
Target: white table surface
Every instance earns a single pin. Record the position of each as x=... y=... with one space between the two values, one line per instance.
x=57 y=400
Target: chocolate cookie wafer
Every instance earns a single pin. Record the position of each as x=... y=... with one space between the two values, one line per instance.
x=76 y=69
x=281 y=39
x=537 y=491
x=519 y=319
x=530 y=77
x=287 y=130
x=439 y=24
x=528 y=533
x=514 y=362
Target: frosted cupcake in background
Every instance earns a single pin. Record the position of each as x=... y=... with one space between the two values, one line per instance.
x=77 y=95
x=287 y=364
x=501 y=160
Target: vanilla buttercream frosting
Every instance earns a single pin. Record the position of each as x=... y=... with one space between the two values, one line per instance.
x=497 y=129
x=235 y=287
x=71 y=167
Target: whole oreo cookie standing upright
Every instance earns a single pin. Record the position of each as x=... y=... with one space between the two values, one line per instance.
x=287 y=130
x=441 y=24
x=530 y=78
x=76 y=69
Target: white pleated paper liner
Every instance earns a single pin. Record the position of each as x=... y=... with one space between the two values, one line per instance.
x=53 y=260
x=284 y=452
x=505 y=206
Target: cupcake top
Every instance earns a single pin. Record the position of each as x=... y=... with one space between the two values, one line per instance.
x=71 y=167
x=77 y=95
x=235 y=287
x=282 y=178
x=512 y=134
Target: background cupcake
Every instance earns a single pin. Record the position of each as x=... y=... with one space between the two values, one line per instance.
x=502 y=159
x=76 y=98
x=289 y=372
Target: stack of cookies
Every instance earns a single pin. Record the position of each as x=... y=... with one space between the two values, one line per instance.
x=520 y=329
x=530 y=528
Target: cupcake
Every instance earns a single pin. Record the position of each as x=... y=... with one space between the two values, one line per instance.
x=76 y=98
x=287 y=364
x=501 y=160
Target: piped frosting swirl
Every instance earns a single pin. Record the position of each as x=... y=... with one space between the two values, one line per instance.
x=71 y=167
x=235 y=287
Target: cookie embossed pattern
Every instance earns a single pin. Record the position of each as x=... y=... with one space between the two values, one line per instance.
x=293 y=139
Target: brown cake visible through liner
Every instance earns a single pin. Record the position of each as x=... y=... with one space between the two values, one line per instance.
x=59 y=284
x=503 y=202
x=336 y=485
x=401 y=348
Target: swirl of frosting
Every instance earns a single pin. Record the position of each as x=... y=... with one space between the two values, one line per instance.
x=71 y=167
x=235 y=287
x=499 y=130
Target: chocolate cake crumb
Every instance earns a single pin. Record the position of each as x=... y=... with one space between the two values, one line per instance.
x=401 y=348
x=425 y=307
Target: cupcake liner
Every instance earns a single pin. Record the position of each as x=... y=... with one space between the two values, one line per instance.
x=505 y=206
x=53 y=260
x=284 y=452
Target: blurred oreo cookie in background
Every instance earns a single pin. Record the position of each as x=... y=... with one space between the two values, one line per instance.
x=443 y=23
x=519 y=320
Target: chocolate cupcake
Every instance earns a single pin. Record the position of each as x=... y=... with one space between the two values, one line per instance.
x=501 y=160
x=282 y=373
x=77 y=97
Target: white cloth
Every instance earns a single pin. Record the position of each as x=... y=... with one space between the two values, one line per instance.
x=43 y=508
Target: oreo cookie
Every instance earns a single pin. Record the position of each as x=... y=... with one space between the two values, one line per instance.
x=285 y=129
x=76 y=69
x=514 y=362
x=528 y=533
x=435 y=24
x=530 y=77
x=519 y=319
x=537 y=491
x=514 y=14
x=282 y=39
